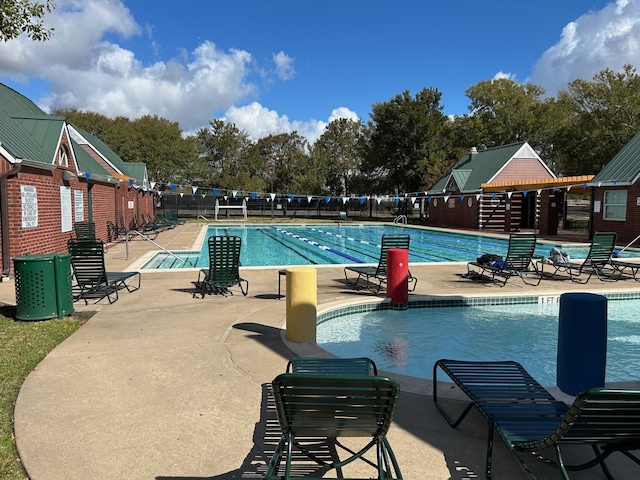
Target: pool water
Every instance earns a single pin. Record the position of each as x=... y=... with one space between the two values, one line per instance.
x=275 y=245
x=409 y=342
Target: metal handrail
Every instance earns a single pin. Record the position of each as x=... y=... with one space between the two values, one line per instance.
x=400 y=219
x=630 y=243
x=144 y=237
x=205 y=218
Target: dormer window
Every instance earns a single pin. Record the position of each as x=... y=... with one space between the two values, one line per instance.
x=63 y=157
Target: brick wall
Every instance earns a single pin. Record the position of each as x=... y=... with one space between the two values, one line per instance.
x=627 y=229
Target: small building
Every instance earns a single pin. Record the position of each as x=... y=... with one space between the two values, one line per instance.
x=615 y=199
x=53 y=175
x=461 y=200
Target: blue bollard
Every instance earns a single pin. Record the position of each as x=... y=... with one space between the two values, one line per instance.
x=582 y=342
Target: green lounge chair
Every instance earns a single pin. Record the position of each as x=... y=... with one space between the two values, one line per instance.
x=91 y=276
x=224 y=267
x=529 y=419
x=375 y=277
x=597 y=261
x=85 y=230
x=518 y=262
x=335 y=366
x=314 y=411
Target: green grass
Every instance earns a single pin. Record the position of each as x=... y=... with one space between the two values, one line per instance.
x=24 y=345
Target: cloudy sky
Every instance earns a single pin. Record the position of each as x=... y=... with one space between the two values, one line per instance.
x=284 y=65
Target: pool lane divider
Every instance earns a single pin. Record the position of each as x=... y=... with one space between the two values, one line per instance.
x=318 y=245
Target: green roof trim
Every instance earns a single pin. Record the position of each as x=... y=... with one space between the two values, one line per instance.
x=624 y=167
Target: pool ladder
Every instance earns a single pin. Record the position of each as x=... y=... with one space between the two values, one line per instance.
x=144 y=237
x=400 y=219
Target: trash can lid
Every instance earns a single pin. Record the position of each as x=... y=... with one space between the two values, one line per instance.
x=34 y=258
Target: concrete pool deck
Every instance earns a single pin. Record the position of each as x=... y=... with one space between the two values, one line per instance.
x=160 y=385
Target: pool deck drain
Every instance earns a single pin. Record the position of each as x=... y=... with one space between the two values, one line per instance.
x=155 y=385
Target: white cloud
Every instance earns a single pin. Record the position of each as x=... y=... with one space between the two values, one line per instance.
x=284 y=66
x=502 y=75
x=608 y=38
x=259 y=121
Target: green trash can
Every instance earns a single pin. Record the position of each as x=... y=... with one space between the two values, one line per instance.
x=43 y=286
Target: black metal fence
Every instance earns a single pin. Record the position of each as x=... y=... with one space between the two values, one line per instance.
x=197 y=206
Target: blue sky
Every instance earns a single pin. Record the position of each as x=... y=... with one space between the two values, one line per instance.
x=277 y=66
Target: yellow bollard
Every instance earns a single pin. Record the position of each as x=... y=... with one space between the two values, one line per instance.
x=302 y=300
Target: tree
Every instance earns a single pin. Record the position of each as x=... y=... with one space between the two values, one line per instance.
x=230 y=157
x=600 y=117
x=339 y=153
x=504 y=112
x=285 y=162
x=23 y=16
x=410 y=146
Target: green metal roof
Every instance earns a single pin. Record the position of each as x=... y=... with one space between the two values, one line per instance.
x=624 y=168
x=474 y=169
x=86 y=163
x=26 y=131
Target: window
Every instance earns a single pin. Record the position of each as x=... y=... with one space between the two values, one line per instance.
x=615 y=205
x=63 y=158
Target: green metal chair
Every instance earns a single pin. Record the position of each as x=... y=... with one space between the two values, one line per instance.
x=518 y=262
x=530 y=419
x=85 y=230
x=597 y=261
x=376 y=276
x=91 y=275
x=224 y=267
x=316 y=410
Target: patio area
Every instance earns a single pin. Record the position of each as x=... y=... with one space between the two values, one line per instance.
x=160 y=385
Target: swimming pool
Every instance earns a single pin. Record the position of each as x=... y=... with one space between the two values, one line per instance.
x=409 y=342
x=274 y=245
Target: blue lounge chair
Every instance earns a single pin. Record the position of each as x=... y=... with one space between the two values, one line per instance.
x=529 y=419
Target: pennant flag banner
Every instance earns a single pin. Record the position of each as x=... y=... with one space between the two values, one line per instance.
x=478 y=195
x=153 y=184
x=378 y=200
x=397 y=200
x=327 y=198
x=569 y=187
x=494 y=195
x=226 y=197
x=446 y=198
x=273 y=196
x=524 y=192
x=235 y=192
x=428 y=200
x=461 y=197
x=539 y=191
x=215 y=192
x=87 y=175
x=194 y=189
x=254 y=195
x=291 y=197
x=203 y=195
x=509 y=194
x=413 y=200
x=181 y=194
x=345 y=200
x=131 y=182
x=193 y=195
x=362 y=199
x=309 y=197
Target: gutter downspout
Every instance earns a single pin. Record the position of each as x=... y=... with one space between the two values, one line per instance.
x=4 y=217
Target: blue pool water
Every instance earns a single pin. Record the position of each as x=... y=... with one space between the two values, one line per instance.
x=274 y=245
x=409 y=342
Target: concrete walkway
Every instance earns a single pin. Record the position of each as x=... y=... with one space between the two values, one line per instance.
x=160 y=385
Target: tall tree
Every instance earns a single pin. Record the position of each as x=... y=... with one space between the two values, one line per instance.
x=19 y=17
x=285 y=161
x=339 y=153
x=229 y=154
x=409 y=147
x=504 y=112
x=600 y=117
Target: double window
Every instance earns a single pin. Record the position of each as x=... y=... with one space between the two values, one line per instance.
x=615 y=205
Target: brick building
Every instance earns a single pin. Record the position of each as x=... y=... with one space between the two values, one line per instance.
x=615 y=199
x=53 y=175
x=459 y=199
